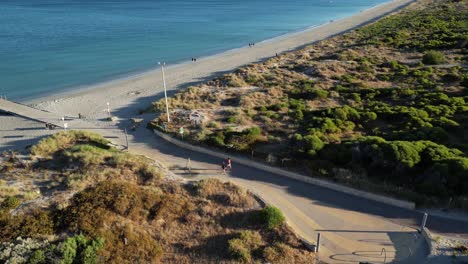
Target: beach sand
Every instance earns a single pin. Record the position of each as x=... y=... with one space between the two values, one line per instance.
x=127 y=96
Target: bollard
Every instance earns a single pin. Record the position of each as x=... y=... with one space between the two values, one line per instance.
x=317 y=247
x=126 y=137
x=189 y=166
x=423 y=223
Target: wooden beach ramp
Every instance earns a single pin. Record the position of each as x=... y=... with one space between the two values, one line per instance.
x=30 y=113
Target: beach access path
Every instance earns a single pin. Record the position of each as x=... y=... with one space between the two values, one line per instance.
x=353 y=229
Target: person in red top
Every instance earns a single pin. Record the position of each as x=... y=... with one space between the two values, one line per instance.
x=229 y=164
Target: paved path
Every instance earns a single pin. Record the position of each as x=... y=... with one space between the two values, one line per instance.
x=30 y=113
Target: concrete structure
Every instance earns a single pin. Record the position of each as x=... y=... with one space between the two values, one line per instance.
x=30 y=113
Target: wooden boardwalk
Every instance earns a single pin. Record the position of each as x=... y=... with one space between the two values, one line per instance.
x=30 y=113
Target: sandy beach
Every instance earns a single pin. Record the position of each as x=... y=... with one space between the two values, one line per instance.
x=127 y=96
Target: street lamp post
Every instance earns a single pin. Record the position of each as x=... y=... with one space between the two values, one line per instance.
x=108 y=109
x=165 y=92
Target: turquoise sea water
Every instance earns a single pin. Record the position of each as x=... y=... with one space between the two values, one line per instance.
x=55 y=45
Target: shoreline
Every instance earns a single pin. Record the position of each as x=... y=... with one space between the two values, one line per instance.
x=126 y=90
x=78 y=89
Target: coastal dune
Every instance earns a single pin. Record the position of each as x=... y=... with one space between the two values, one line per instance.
x=127 y=96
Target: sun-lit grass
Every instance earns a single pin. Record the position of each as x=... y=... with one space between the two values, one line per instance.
x=65 y=139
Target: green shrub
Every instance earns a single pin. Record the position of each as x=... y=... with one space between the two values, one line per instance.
x=38 y=257
x=232 y=119
x=68 y=250
x=214 y=124
x=356 y=97
x=79 y=249
x=9 y=202
x=244 y=140
x=34 y=224
x=313 y=144
x=299 y=115
x=433 y=58
x=270 y=217
x=217 y=139
x=319 y=93
x=65 y=139
x=370 y=116
x=253 y=131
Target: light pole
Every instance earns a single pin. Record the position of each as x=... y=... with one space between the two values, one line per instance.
x=165 y=92
x=108 y=109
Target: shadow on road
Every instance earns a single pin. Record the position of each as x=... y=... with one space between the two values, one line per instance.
x=407 y=249
x=315 y=194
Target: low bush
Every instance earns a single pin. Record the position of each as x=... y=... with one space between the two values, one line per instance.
x=241 y=248
x=269 y=217
x=9 y=202
x=23 y=250
x=65 y=139
x=79 y=249
x=38 y=257
x=433 y=58
x=278 y=253
x=95 y=210
x=238 y=250
x=37 y=223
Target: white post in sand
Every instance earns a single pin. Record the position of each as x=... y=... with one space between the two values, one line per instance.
x=165 y=93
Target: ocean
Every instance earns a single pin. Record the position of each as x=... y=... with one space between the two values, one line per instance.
x=48 y=46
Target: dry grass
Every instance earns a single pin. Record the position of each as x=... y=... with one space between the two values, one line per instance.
x=122 y=199
x=233 y=195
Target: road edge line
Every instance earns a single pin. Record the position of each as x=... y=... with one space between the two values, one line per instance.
x=293 y=175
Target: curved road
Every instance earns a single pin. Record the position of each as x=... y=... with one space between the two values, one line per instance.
x=353 y=229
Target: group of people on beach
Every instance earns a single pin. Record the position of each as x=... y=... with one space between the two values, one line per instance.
x=251 y=44
x=194 y=59
x=226 y=165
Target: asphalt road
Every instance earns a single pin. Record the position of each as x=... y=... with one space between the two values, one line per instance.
x=353 y=229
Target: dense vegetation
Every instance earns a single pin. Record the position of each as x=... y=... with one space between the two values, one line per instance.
x=94 y=204
x=383 y=108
